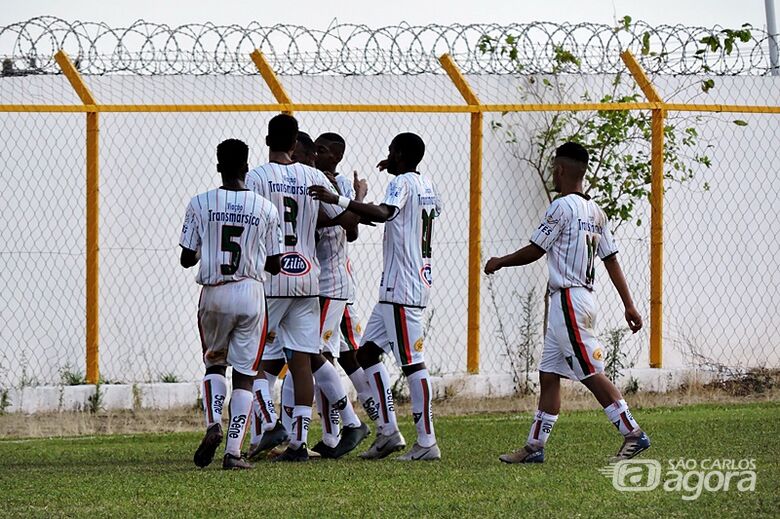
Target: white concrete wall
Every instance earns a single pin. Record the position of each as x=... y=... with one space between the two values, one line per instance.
x=721 y=253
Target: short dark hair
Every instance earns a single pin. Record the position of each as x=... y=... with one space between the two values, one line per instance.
x=282 y=132
x=333 y=137
x=572 y=151
x=306 y=141
x=232 y=154
x=411 y=147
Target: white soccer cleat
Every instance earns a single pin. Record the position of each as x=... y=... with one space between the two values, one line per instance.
x=418 y=453
x=384 y=445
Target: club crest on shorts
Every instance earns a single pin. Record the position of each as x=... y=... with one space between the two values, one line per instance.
x=359 y=328
x=293 y=264
x=270 y=337
x=598 y=354
x=426 y=275
x=327 y=335
x=418 y=346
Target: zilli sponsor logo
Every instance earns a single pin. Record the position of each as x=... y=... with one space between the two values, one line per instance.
x=689 y=477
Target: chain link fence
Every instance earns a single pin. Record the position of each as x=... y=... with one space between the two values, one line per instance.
x=720 y=280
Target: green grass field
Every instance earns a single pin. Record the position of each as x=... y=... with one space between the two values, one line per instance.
x=153 y=475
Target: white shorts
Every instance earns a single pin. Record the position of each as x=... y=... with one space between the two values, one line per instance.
x=293 y=324
x=397 y=329
x=232 y=323
x=331 y=312
x=351 y=329
x=571 y=348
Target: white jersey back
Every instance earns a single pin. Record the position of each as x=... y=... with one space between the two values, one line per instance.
x=407 y=274
x=286 y=186
x=574 y=231
x=234 y=231
x=335 y=277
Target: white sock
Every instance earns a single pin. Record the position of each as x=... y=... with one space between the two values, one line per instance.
x=214 y=395
x=381 y=399
x=360 y=383
x=541 y=429
x=329 y=383
x=265 y=404
x=420 y=392
x=240 y=407
x=271 y=378
x=300 y=430
x=256 y=424
x=329 y=418
x=621 y=417
x=288 y=402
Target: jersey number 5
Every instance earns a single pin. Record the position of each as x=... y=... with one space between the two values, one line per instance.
x=228 y=245
x=427 y=231
x=291 y=217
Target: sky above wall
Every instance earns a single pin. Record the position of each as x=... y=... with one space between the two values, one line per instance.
x=320 y=14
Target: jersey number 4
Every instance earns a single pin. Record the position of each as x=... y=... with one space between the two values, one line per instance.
x=427 y=231
x=228 y=245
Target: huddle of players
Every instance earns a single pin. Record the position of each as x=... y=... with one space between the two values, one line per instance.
x=293 y=220
x=235 y=232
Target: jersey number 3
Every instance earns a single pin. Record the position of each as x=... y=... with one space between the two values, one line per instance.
x=228 y=245
x=427 y=231
x=291 y=217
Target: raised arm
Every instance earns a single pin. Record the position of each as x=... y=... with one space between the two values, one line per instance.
x=633 y=318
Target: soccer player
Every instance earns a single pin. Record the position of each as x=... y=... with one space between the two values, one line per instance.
x=336 y=292
x=410 y=206
x=236 y=236
x=573 y=232
x=293 y=306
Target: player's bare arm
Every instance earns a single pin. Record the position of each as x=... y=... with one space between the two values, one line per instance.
x=524 y=256
x=633 y=318
x=372 y=212
x=273 y=264
x=189 y=258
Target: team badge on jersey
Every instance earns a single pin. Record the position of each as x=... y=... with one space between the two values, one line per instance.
x=426 y=274
x=293 y=264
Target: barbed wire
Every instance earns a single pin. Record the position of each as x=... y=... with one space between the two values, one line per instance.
x=148 y=48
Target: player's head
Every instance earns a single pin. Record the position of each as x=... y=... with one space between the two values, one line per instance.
x=282 y=133
x=305 y=151
x=570 y=164
x=232 y=158
x=330 y=151
x=405 y=153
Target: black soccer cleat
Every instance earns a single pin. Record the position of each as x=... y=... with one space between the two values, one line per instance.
x=230 y=462
x=350 y=439
x=269 y=440
x=290 y=454
x=325 y=451
x=208 y=446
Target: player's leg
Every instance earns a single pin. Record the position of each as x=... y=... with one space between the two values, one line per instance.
x=588 y=366
x=214 y=327
x=240 y=413
x=409 y=353
x=351 y=335
x=379 y=405
x=301 y=342
x=552 y=367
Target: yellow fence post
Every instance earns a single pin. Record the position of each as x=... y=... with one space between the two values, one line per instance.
x=92 y=245
x=271 y=79
x=475 y=211
x=657 y=208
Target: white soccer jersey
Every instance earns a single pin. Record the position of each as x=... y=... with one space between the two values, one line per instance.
x=574 y=231
x=407 y=275
x=286 y=186
x=335 y=277
x=234 y=231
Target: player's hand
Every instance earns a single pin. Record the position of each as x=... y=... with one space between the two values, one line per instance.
x=633 y=319
x=382 y=165
x=323 y=194
x=361 y=187
x=493 y=265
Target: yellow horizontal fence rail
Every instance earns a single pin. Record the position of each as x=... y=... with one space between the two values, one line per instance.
x=473 y=106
